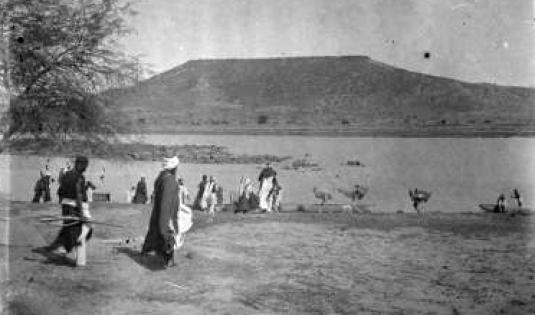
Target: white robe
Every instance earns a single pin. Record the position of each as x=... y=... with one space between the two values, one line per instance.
x=263 y=193
x=209 y=198
x=90 y=194
x=80 y=251
x=184 y=218
x=185 y=222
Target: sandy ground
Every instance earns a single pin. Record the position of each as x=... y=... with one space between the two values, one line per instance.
x=279 y=263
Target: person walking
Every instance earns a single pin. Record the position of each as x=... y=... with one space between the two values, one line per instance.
x=162 y=230
x=76 y=230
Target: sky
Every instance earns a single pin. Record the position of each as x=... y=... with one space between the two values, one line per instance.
x=472 y=40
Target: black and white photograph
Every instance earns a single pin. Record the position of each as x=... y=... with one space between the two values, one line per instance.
x=267 y=157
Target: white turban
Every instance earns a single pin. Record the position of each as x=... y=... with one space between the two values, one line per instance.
x=170 y=163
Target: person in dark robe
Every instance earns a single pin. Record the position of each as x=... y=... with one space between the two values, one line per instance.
x=197 y=204
x=38 y=189
x=61 y=174
x=219 y=194
x=47 y=176
x=162 y=232
x=42 y=188
x=244 y=202
x=275 y=194
x=73 y=198
x=140 y=195
x=516 y=196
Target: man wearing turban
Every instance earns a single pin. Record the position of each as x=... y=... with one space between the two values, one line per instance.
x=162 y=227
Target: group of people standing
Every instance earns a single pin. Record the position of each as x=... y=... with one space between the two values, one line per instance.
x=269 y=192
x=501 y=202
x=170 y=219
x=42 y=188
x=209 y=194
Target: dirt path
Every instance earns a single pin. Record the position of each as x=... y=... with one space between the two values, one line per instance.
x=291 y=263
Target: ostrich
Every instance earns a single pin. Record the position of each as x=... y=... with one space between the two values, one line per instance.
x=323 y=195
x=418 y=198
x=357 y=193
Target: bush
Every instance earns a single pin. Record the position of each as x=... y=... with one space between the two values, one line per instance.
x=262 y=119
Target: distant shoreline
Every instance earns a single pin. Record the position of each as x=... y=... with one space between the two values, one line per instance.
x=136 y=151
x=509 y=132
x=501 y=131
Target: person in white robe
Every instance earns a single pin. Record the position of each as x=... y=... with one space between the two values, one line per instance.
x=266 y=184
x=209 y=198
x=185 y=215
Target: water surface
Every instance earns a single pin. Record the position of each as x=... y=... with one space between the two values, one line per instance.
x=461 y=172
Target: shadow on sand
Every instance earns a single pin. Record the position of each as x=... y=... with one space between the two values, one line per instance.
x=53 y=258
x=151 y=262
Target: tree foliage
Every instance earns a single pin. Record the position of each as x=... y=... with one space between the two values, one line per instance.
x=60 y=56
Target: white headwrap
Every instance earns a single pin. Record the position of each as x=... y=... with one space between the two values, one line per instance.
x=170 y=163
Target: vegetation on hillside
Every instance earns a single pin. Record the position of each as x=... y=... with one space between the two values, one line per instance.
x=311 y=92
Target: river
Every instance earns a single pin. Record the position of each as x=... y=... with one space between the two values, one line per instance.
x=460 y=172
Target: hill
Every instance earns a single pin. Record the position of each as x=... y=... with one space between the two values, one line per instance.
x=353 y=93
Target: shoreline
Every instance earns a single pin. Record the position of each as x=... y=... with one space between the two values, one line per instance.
x=135 y=151
x=289 y=208
x=491 y=131
x=350 y=133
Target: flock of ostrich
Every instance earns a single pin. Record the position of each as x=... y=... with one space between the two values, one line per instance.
x=354 y=195
x=418 y=197
x=355 y=192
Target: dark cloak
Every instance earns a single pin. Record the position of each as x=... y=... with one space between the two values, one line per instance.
x=165 y=204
